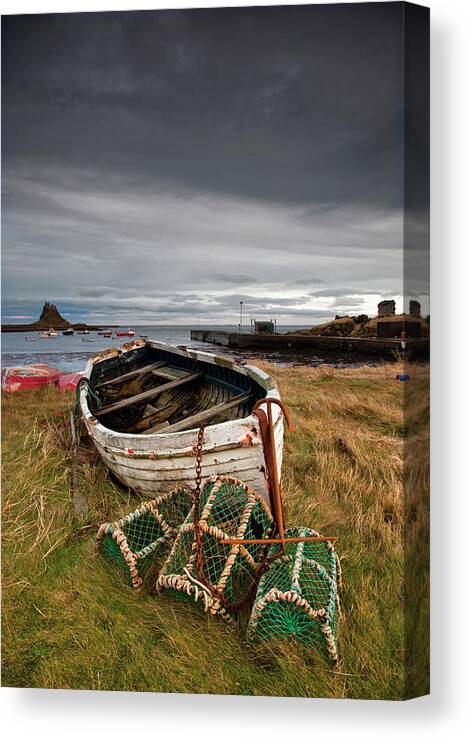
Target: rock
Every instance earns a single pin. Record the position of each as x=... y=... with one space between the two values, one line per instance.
x=342 y=327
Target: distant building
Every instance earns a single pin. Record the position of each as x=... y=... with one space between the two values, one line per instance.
x=391 y=327
x=386 y=308
x=264 y=327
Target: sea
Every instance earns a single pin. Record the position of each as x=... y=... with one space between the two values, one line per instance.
x=71 y=353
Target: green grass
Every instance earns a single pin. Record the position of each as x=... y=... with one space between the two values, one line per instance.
x=71 y=621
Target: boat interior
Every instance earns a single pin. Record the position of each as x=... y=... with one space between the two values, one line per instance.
x=149 y=390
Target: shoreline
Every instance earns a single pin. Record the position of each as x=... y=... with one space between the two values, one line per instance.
x=74 y=361
x=326 y=346
x=22 y=328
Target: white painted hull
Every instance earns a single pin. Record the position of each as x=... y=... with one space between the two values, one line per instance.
x=156 y=463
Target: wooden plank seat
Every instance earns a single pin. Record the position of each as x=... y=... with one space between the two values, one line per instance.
x=171 y=373
x=131 y=374
x=146 y=395
x=194 y=421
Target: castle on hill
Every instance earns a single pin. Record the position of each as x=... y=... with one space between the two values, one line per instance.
x=50 y=318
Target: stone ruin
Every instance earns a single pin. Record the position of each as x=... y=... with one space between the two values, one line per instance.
x=362 y=318
x=387 y=308
x=414 y=308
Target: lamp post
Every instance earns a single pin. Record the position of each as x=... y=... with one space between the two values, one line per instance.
x=240 y=317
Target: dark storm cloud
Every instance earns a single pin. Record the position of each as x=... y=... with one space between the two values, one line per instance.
x=309 y=280
x=290 y=104
x=338 y=293
x=234 y=279
x=163 y=162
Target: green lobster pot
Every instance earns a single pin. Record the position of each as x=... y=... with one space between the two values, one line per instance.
x=133 y=542
x=298 y=595
x=216 y=576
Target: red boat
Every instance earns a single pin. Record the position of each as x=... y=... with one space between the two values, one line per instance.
x=128 y=333
x=28 y=377
x=69 y=382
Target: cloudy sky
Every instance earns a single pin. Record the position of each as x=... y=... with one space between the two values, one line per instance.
x=163 y=166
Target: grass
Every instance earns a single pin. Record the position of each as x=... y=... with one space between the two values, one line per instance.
x=70 y=621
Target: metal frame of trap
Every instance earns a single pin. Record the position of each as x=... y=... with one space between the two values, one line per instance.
x=268 y=438
x=276 y=505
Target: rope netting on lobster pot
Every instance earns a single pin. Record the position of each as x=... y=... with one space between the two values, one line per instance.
x=298 y=596
x=201 y=567
x=133 y=542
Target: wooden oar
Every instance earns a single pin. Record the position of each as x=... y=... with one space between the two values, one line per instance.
x=146 y=395
x=131 y=374
x=191 y=422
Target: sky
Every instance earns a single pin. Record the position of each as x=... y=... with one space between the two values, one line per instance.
x=160 y=167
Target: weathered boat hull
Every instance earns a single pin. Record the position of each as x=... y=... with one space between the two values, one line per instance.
x=29 y=377
x=156 y=463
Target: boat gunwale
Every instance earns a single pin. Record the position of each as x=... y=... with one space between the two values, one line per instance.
x=97 y=429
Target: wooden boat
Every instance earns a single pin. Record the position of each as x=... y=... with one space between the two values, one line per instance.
x=28 y=377
x=144 y=403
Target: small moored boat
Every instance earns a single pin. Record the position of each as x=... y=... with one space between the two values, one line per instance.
x=67 y=332
x=144 y=404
